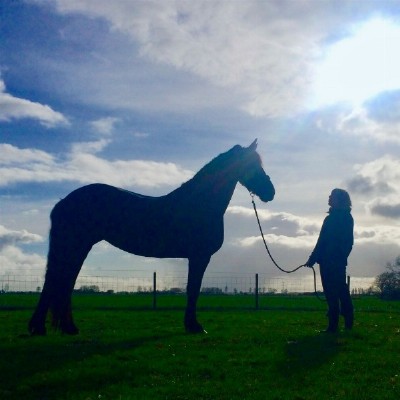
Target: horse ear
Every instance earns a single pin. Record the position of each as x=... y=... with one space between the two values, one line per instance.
x=253 y=146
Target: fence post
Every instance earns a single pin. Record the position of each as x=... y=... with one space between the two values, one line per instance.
x=154 y=290
x=348 y=282
x=256 y=291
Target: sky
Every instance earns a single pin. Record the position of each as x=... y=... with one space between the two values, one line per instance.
x=142 y=94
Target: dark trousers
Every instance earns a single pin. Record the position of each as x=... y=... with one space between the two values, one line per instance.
x=337 y=296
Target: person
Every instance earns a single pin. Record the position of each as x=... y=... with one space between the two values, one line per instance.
x=333 y=247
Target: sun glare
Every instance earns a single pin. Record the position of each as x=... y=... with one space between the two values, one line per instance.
x=360 y=66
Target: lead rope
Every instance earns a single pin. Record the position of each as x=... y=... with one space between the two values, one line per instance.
x=272 y=258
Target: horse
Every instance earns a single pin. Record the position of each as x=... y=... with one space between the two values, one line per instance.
x=185 y=223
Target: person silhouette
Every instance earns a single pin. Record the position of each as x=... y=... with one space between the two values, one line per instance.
x=333 y=247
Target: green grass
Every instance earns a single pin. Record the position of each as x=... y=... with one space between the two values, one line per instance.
x=125 y=353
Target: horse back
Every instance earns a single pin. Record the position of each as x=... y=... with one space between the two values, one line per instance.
x=143 y=225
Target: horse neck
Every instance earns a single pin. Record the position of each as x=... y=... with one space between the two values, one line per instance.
x=211 y=191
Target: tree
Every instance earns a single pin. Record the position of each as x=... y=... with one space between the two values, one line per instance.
x=89 y=289
x=388 y=283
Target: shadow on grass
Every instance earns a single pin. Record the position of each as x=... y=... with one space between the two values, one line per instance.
x=39 y=368
x=308 y=353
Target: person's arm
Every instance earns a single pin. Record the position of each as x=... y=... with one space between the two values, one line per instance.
x=316 y=253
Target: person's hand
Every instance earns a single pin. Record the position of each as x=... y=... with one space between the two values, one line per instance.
x=309 y=264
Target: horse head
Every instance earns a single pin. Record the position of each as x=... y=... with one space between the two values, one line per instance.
x=253 y=176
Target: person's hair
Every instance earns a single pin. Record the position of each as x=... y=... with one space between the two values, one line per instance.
x=343 y=199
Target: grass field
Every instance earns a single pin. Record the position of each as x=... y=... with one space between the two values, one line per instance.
x=127 y=351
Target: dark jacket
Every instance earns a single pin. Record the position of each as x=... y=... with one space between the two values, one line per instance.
x=335 y=240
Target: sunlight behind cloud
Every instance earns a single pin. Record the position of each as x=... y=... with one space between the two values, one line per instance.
x=361 y=66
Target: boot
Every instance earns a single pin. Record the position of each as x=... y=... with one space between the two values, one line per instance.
x=348 y=321
x=333 y=323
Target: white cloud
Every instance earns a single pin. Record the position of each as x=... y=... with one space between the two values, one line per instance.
x=260 y=56
x=288 y=231
x=105 y=126
x=262 y=53
x=16 y=108
x=359 y=123
x=14 y=261
x=11 y=155
x=378 y=181
x=385 y=169
x=81 y=165
x=280 y=221
x=89 y=147
x=11 y=237
x=378 y=235
x=291 y=239
x=290 y=242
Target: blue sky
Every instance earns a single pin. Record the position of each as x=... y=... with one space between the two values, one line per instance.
x=141 y=94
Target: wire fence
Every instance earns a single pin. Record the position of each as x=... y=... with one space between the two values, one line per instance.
x=145 y=281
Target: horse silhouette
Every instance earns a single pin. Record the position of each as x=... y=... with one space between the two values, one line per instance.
x=186 y=223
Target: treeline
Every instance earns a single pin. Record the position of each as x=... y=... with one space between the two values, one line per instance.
x=388 y=283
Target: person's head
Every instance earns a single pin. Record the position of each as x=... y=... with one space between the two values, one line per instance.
x=339 y=199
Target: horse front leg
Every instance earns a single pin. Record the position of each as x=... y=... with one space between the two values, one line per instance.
x=197 y=267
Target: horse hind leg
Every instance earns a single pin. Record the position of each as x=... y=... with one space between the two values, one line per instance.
x=63 y=266
x=55 y=296
x=37 y=324
x=60 y=307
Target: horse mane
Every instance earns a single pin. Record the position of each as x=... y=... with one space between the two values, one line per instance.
x=216 y=164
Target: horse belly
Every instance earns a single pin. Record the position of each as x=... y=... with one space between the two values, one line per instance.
x=148 y=247
x=147 y=240
x=166 y=241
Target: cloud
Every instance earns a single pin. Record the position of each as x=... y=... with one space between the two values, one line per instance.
x=281 y=229
x=89 y=147
x=377 y=235
x=280 y=222
x=379 y=182
x=11 y=155
x=289 y=242
x=365 y=185
x=291 y=239
x=105 y=126
x=386 y=210
x=263 y=53
x=10 y=237
x=16 y=108
x=383 y=170
x=82 y=165
x=14 y=262
x=358 y=122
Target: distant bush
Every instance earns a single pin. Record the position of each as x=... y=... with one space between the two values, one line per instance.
x=89 y=289
x=211 y=290
x=388 y=283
